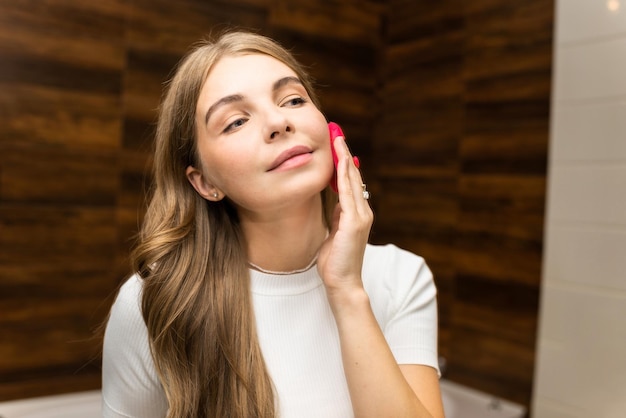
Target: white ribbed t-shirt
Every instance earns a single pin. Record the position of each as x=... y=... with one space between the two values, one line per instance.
x=297 y=333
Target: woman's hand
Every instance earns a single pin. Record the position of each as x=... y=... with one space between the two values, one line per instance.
x=341 y=255
x=378 y=386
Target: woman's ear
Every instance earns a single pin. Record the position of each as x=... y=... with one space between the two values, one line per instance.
x=204 y=188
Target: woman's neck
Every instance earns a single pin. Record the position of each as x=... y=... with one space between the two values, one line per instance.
x=287 y=241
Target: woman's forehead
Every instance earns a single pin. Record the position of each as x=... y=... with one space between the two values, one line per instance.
x=248 y=74
x=249 y=67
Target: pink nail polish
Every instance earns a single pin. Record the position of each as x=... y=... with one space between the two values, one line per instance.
x=357 y=163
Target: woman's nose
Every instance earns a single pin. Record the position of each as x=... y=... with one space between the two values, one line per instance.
x=277 y=124
x=275 y=134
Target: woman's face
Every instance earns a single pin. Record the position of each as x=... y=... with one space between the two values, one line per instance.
x=261 y=141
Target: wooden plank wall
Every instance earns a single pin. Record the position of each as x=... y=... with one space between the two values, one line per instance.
x=463 y=147
x=79 y=84
x=446 y=104
x=61 y=78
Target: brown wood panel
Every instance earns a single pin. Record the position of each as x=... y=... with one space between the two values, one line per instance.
x=447 y=105
x=76 y=33
x=352 y=20
x=172 y=27
x=59 y=175
x=463 y=138
x=490 y=363
x=417 y=141
x=60 y=124
x=32 y=113
x=80 y=83
x=56 y=268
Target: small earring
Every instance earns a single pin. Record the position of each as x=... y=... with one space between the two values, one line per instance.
x=215 y=195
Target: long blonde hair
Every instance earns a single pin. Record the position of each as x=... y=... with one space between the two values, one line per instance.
x=191 y=255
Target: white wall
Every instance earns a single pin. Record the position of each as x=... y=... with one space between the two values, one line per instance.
x=581 y=352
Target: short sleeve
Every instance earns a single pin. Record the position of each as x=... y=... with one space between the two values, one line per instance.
x=404 y=300
x=130 y=384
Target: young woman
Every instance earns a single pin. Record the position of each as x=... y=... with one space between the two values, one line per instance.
x=256 y=293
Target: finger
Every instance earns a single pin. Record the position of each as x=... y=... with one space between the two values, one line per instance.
x=356 y=184
x=344 y=183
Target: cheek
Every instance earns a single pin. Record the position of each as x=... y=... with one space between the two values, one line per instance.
x=317 y=127
x=230 y=167
x=325 y=142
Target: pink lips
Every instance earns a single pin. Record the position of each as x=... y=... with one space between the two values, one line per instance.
x=289 y=154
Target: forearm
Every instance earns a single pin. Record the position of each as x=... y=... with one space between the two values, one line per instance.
x=377 y=386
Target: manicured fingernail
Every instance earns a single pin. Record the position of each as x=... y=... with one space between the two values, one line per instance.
x=357 y=163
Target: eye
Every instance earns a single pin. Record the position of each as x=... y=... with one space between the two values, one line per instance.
x=294 y=101
x=235 y=124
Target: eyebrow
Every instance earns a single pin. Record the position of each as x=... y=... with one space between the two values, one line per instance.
x=284 y=81
x=278 y=84
x=222 y=102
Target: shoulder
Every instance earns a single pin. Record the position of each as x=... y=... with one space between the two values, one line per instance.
x=130 y=384
x=125 y=317
x=403 y=297
x=130 y=291
x=127 y=305
x=394 y=277
x=390 y=254
x=388 y=265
